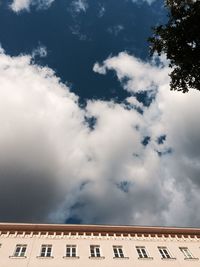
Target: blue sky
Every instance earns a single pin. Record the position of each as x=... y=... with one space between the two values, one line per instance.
x=72 y=34
x=91 y=132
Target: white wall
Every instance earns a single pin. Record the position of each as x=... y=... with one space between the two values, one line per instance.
x=8 y=244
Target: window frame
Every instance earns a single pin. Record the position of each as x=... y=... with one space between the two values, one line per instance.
x=95 y=251
x=165 y=253
x=72 y=251
x=187 y=253
x=142 y=252
x=20 y=251
x=46 y=253
x=118 y=252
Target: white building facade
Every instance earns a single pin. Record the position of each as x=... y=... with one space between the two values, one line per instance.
x=44 y=245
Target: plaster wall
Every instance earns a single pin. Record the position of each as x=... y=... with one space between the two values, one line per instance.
x=106 y=243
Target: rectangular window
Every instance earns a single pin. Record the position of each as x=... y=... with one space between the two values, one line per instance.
x=71 y=251
x=95 y=251
x=186 y=253
x=118 y=252
x=46 y=251
x=164 y=253
x=20 y=250
x=142 y=253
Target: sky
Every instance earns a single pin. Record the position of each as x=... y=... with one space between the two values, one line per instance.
x=90 y=131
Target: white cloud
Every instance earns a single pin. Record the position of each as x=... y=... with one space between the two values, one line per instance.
x=40 y=51
x=102 y=11
x=147 y=1
x=41 y=127
x=172 y=114
x=141 y=76
x=19 y=5
x=76 y=8
x=1 y=49
x=79 y=6
x=54 y=166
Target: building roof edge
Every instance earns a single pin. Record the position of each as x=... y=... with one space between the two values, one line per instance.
x=99 y=228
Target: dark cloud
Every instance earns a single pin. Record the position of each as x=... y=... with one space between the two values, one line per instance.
x=27 y=194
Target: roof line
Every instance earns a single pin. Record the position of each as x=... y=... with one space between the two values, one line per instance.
x=99 y=228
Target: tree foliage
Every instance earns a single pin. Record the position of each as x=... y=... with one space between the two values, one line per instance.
x=179 y=39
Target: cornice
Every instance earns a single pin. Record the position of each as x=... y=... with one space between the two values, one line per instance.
x=101 y=229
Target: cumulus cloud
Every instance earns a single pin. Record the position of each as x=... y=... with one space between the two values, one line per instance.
x=134 y=73
x=19 y=5
x=38 y=116
x=106 y=163
x=172 y=115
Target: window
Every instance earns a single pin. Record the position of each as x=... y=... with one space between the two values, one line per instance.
x=95 y=251
x=118 y=252
x=142 y=253
x=46 y=251
x=164 y=253
x=71 y=251
x=20 y=251
x=186 y=253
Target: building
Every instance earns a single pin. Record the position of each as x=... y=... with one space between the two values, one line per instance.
x=48 y=245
